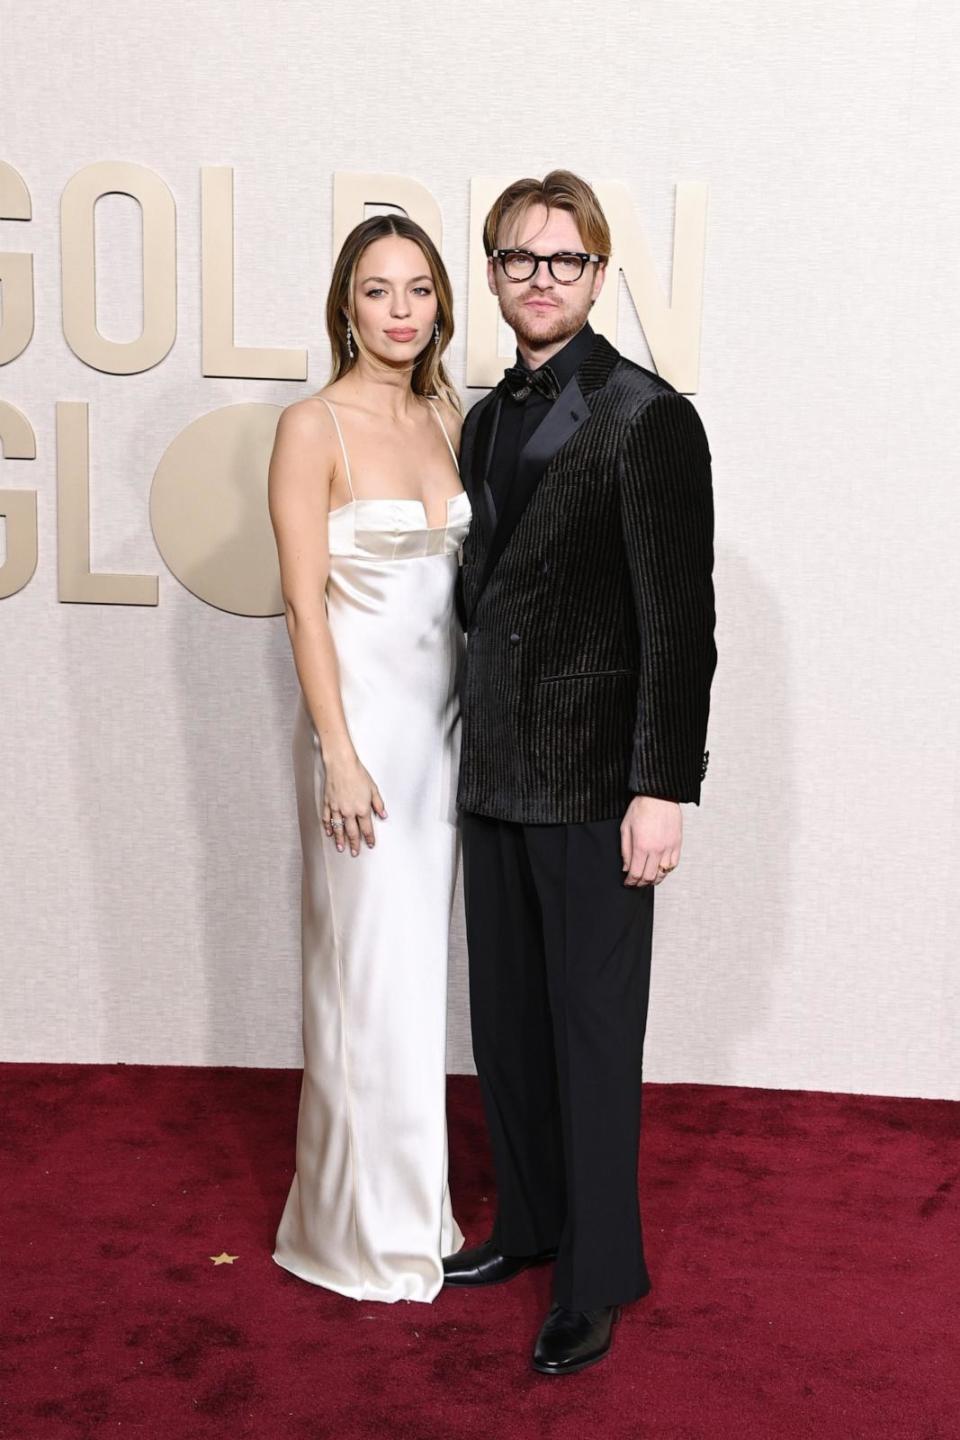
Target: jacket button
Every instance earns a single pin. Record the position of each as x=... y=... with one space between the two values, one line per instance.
x=544 y=567
x=514 y=639
x=474 y=630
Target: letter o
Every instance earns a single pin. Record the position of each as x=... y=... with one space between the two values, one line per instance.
x=208 y=509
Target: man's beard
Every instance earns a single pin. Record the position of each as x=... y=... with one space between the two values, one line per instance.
x=565 y=325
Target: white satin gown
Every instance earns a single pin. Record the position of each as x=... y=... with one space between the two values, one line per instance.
x=368 y=1213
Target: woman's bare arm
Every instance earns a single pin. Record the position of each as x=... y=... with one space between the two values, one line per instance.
x=301 y=469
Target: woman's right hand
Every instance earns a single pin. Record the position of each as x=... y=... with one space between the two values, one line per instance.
x=350 y=801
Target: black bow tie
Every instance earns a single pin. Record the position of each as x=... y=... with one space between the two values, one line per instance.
x=520 y=381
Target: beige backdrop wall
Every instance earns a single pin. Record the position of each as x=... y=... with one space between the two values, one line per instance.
x=147 y=828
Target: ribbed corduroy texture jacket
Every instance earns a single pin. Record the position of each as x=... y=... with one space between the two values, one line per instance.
x=589 y=604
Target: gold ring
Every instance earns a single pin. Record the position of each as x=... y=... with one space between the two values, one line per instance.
x=666 y=868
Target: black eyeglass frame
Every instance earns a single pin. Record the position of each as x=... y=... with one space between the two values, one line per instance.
x=538 y=260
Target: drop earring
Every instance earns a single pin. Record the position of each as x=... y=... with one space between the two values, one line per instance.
x=349 y=340
x=436 y=333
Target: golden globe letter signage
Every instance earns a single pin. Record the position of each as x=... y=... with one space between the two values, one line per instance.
x=208 y=506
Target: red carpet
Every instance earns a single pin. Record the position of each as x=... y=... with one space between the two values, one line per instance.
x=804 y=1251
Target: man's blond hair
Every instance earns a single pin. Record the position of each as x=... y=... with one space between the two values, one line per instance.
x=560 y=190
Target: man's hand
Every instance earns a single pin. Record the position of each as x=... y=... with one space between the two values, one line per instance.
x=651 y=834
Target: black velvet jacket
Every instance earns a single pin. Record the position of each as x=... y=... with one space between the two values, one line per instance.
x=589 y=604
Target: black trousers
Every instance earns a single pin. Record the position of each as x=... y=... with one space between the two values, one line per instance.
x=559 y=980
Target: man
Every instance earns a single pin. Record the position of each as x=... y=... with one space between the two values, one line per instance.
x=586 y=591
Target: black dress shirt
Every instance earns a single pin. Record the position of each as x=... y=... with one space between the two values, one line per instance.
x=519 y=418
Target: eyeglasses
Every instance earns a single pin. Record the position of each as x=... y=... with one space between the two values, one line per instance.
x=566 y=266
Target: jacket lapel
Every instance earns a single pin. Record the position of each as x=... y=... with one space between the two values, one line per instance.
x=479 y=437
x=486 y=440
x=569 y=411
x=468 y=437
x=561 y=421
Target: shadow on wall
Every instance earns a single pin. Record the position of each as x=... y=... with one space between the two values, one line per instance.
x=181 y=716
x=236 y=726
x=244 y=818
x=459 y=1045
x=720 y=937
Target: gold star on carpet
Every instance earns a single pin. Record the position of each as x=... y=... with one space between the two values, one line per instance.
x=223 y=1258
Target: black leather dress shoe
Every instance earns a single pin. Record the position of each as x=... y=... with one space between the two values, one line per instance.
x=570 y=1340
x=486 y=1265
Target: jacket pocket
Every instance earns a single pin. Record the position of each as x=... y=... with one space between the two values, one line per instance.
x=584 y=675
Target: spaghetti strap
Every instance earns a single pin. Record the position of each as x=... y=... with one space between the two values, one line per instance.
x=445 y=435
x=346 y=457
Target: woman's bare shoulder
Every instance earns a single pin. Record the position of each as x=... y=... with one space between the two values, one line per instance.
x=306 y=417
x=304 y=452
x=452 y=419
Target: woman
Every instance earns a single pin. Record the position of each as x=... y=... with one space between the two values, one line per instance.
x=369 y=517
